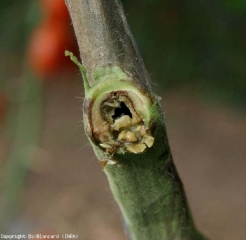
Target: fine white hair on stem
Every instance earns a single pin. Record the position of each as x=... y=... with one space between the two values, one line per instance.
x=85 y=145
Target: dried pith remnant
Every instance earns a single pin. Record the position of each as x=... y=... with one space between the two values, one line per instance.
x=120 y=128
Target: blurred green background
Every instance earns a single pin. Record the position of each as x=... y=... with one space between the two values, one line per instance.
x=195 y=52
x=196 y=43
x=199 y=44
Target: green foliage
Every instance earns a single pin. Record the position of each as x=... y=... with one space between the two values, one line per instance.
x=237 y=5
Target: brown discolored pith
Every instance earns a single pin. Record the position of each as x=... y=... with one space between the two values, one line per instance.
x=119 y=128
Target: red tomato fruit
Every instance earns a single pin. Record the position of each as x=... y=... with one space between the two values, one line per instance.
x=55 y=9
x=46 y=49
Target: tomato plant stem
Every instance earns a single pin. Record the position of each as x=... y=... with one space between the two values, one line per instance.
x=125 y=125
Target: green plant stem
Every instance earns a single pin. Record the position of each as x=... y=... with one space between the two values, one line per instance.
x=142 y=175
x=26 y=139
